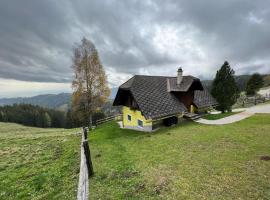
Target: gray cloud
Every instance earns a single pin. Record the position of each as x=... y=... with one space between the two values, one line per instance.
x=152 y=37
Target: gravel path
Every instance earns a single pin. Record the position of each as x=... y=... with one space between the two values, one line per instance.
x=239 y=116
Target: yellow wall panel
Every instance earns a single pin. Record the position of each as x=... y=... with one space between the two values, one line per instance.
x=135 y=116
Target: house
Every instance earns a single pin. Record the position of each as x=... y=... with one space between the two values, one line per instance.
x=149 y=101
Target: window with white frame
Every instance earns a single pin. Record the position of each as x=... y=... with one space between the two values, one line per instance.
x=129 y=117
x=140 y=123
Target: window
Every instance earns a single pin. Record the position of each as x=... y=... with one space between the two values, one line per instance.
x=140 y=123
x=129 y=118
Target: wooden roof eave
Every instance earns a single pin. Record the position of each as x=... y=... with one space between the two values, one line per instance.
x=116 y=99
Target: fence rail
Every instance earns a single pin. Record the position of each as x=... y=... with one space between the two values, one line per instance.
x=86 y=168
x=110 y=118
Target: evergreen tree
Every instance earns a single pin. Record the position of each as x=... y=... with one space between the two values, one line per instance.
x=69 y=121
x=1 y=116
x=224 y=88
x=57 y=118
x=38 y=119
x=254 y=84
x=46 y=120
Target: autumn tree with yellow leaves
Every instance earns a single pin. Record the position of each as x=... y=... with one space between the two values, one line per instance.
x=90 y=86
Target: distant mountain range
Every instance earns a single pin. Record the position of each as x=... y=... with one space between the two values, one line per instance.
x=241 y=81
x=56 y=101
x=62 y=101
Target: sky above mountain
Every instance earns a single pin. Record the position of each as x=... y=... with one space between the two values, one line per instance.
x=132 y=37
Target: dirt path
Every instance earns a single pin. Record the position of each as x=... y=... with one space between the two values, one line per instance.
x=239 y=116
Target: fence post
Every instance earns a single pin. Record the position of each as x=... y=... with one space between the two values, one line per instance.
x=85 y=133
x=88 y=158
x=83 y=185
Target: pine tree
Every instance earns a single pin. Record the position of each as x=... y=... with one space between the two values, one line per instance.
x=1 y=116
x=69 y=121
x=254 y=84
x=46 y=120
x=224 y=88
x=90 y=83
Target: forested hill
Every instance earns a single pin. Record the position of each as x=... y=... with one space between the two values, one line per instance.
x=55 y=101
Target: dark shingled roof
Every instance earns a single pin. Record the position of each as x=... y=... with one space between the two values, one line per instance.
x=203 y=99
x=127 y=84
x=184 y=86
x=150 y=93
x=154 y=94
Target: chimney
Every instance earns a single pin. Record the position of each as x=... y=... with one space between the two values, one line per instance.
x=179 y=76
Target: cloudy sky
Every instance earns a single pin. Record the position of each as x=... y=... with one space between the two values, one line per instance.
x=132 y=37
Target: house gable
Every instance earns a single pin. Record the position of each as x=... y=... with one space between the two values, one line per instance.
x=125 y=98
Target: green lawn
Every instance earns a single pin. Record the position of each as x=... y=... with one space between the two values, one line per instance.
x=38 y=163
x=189 y=161
x=218 y=116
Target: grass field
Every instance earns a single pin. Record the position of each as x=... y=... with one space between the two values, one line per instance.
x=189 y=161
x=218 y=116
x=38 y=163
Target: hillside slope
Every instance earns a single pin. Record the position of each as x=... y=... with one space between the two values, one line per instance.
x=38 y=163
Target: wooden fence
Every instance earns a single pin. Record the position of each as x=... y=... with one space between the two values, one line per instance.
x=110 y=118
x=250 y=101
x=86 y=168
